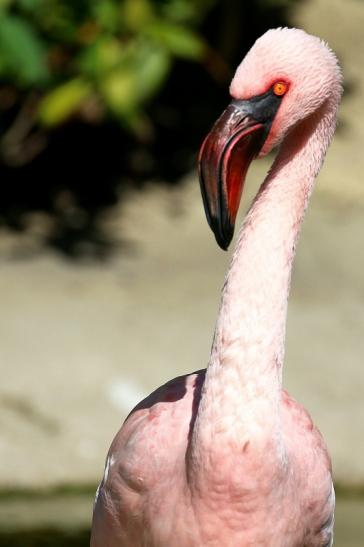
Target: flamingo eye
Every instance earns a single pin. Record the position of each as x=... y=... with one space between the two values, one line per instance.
x=280 y=88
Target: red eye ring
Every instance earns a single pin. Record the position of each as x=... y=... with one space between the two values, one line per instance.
x=280 y=88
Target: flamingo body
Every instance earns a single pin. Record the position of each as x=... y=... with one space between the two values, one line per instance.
x=225 y=457
x=144 y=498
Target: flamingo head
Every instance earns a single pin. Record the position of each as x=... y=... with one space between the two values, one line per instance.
x=286 y=76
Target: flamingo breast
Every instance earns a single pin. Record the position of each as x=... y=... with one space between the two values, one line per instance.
x=145 y=491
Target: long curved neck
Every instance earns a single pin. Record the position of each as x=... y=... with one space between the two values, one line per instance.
x=250 y=330
x=241 y=395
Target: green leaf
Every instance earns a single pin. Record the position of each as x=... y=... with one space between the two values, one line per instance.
x=178 y=10
x=4 y=4
x=119 y=89
x=177 y=39
x=62 y=101
x=101 y=57
x=137 y=13
x=151 y=71
x=107 y=15
x=29 y=5
x=23 y=50
x=138 y=76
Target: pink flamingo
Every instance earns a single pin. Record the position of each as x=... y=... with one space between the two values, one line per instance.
x=225 y=457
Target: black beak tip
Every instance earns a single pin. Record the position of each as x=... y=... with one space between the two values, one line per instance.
x=223 y=235
x=224 y=246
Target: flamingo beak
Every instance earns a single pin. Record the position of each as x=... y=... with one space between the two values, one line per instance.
x=225 y=156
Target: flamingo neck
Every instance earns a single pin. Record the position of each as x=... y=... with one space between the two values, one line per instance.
x=241 y=394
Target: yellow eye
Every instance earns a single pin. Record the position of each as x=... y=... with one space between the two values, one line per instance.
x=280 y=88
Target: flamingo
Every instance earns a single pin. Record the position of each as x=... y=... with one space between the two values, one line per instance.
x=224 y=456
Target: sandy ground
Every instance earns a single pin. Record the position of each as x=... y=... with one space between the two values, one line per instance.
x=70 y=516
x=80 y=344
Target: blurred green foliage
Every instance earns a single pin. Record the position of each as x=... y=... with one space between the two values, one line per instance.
x=97 y=96
x=102 y=56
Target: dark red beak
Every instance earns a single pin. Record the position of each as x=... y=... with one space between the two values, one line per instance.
x=225 y=156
